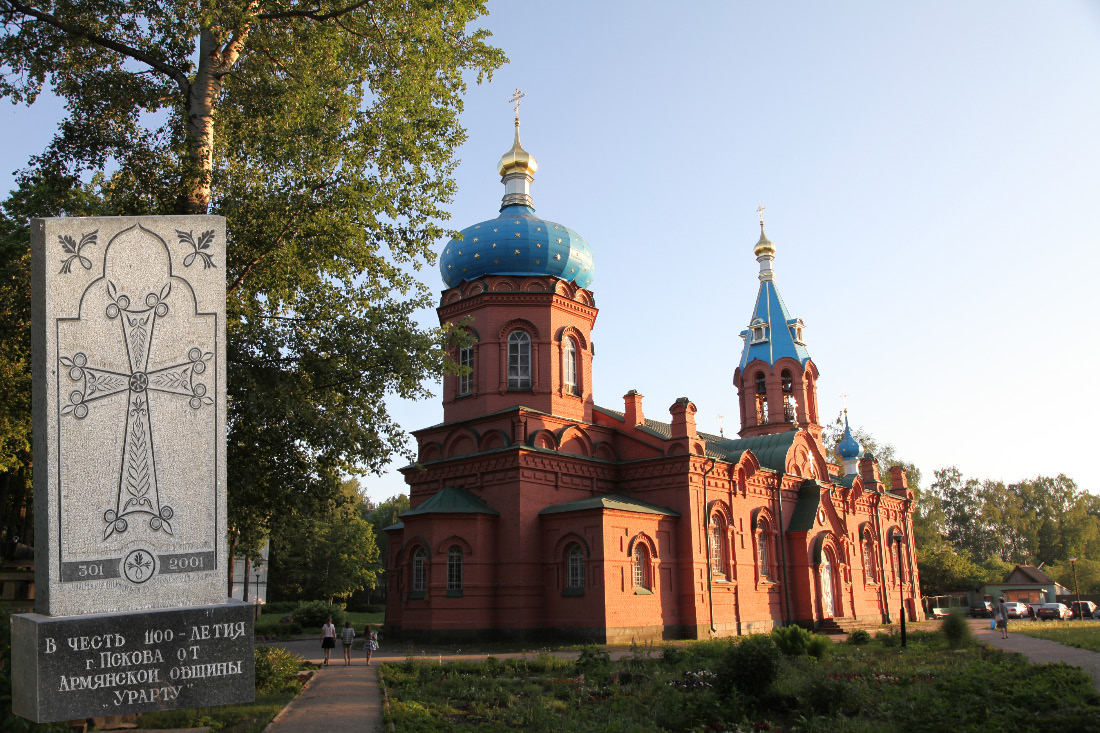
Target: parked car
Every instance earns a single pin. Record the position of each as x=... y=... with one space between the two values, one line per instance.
x=981 y=609
x=1058 y=611
x=1083 y=609
x=1016 y=609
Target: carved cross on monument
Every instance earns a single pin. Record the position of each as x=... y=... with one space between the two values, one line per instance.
x=517 y=96
x=138 y=492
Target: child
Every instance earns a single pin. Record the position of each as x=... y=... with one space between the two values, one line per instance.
x=347 y=635
x=328 y=638
x=372 y=642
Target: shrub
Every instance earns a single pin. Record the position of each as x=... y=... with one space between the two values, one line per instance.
x=792 y=640
x=275 y=667
x=888 y=639
x=819 y=646
x=314 y=613
x=750 y=667
x=593 y=658
x=291 y=629
x=671 y=655
x=280 y=608
x=859 y=637
x=957 y=631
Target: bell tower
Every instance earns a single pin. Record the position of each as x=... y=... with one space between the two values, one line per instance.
x=776 y=380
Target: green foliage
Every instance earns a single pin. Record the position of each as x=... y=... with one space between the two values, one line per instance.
x=339 y=557
x=326 y=136
x=943 y=570
x=859 y=637
x=275 y=667
x=593 y=659
x=819 y=646
x=750 y=667
x=280 y=608
x=791 y=640
x=313 y=614
x=957 y=631
x=929 y=688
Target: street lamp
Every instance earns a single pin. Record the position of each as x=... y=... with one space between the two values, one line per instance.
x=1076 y=590
x=897 y=538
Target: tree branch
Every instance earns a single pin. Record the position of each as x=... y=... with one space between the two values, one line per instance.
x=314 y=14
x=73 y=30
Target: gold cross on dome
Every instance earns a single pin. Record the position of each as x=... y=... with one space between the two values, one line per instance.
x=844 y=400
x=760 y=213
x=515 y=100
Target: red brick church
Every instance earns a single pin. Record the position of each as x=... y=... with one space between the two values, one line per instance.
x=536 y=512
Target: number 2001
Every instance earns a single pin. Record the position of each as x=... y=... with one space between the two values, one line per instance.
x=194 y=562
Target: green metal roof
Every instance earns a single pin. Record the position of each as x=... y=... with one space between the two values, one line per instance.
x=809 y=499
x=451 y=500
x=610 y=501
x=770 y=450
x=394 y=527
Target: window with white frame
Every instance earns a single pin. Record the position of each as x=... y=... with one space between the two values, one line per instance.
x=466 y=380
x=641 y=567
x=868 y=559
x=454 y=568
x=419 y=571
x=569 y=365
x=759 y=331
x=717 y=546
x=762 y=555
x=574 y=560
x=519 y=360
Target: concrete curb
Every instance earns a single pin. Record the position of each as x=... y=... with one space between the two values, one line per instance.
x=286 y=708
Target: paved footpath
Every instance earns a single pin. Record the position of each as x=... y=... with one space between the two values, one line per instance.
x=1040 y=650
x=342 y=699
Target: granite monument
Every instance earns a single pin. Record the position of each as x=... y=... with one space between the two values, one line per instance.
x=129 y=396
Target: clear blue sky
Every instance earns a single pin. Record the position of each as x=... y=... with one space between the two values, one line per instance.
x=931 y=173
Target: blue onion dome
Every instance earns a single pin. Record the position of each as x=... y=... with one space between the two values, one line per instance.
x=848 y=448
x=517 y=242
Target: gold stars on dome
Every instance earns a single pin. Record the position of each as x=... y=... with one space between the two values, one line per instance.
x=538 y=262
x=559 y=240
x=517 y=251
x=477 y=256
x=518 y=235
x=557 y=257
x=475 y=239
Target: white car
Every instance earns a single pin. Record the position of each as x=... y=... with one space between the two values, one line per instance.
x=1016 y=609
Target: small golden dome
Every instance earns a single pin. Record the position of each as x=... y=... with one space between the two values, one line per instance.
x=517 y=158
x=764 y=245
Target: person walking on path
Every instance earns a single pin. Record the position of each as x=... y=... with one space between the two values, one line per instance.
x=371 y=645
x=328 y=638
x=1000 y=611
x=347 y=635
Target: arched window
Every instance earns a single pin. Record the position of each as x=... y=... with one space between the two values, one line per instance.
x=761 y=399
x=641 y=567
x=763 y=557
x=569 y=366
x=868 y=559
x=466 y=380
x=454 y=568
x=574 y=571
x=717 y=546
x=419 y=571
x=519 y=360
x=789 y=402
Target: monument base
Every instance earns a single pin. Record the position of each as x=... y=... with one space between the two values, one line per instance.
x=69 y=667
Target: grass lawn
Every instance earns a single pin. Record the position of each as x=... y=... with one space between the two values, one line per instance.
x=1083 y=634
x=739 y=685
x=277 y=683
x=250 y=717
